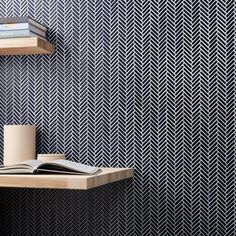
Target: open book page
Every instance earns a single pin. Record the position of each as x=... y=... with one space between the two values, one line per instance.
x=16 y=171
x=57 y=166
x=65 y=165
x=34 y=164
x=9 y=167
x=21 y=168
x=24 y=165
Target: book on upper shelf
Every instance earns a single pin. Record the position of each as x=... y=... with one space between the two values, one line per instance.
x=53 y=167
x=21 y=26
x=23 y=19
x=21 y=34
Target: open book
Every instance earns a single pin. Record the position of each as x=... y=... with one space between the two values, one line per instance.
x=56 y=166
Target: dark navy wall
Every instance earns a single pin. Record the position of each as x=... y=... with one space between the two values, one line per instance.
x=145 y=84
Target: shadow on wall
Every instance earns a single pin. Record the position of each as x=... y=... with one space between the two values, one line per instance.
x=62 y=212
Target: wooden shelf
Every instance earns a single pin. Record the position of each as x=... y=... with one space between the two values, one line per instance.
x=25 y=46
x=82 y=182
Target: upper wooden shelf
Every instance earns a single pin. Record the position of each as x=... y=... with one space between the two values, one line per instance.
x=25 y=46
x=82 y=182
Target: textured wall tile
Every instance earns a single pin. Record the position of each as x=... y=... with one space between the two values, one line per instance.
x=145 y=84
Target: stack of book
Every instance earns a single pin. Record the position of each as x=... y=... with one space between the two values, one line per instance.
x=21 y=27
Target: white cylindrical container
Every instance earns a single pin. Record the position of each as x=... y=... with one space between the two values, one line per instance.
x=19 y=143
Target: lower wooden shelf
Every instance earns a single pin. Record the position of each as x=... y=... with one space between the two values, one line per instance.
x=25 y=46
x=82 y=182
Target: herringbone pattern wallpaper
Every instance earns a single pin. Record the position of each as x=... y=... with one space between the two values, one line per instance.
x=145 y=84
